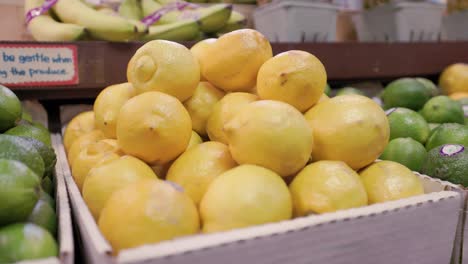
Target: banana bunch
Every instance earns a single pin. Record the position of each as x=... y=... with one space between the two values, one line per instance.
x=71 y=20
x=250 y=2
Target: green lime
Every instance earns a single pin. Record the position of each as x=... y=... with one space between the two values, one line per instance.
x=44 y=196
x=463 y=101
x=349 y=90
x=18 y=148
x=405 y=92
x=433 y=127
x=448 y=162
x=405 y=151
x=33 y=131
x=47 y=153
x=22 y=241
x=430 y=86
x=47 y=185
x=405 y=122
x=19 y=191
x=10 y=109
x=327 y=90
x=44 y=215
x=26 y=116
x=449 y=133
x=442 y=109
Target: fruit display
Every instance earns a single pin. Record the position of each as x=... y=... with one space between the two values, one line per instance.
x=226 y=135
x=72 y=20
x=28 y=222
x=428 y=122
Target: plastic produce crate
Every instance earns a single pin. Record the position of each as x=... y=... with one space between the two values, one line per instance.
x=421 y=229
x=454 y=26
x=401 y=22
x=297 y=21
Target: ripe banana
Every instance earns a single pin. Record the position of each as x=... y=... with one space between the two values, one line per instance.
x=149 y=7
x=45 y=28
x=213 y=18
x=235 y=22
x=179 y=31
x=166 y=2
x=99 y=25
x=140 y=26
x=131 y=9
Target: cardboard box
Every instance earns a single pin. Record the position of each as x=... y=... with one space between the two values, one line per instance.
x=420 y=229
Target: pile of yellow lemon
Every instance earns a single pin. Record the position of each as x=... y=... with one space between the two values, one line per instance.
x=208 y=140
x=454 y=81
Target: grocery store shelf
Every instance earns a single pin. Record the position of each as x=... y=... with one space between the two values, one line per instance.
x=102 y=63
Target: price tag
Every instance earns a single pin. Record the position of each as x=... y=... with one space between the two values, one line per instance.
x=38 y=65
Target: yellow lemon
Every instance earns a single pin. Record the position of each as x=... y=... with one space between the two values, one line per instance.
x=81 y=142
x=79 y=125
x=388 y=180
x=459 y=95
x=271 y=134
x=196 y=168
x=91 y=155
x=145 y=212
x=232 y=62
x=195 y=139
x=107 y=106
x=454 y=78
x=154 y=127
x=245 y=196
x=326 y=186
x=295 y=77
x=201 y=104
x=223 y=111
x=112 y=175
x=164 y=66
x=350 y=128
x=200 y=48
x=323 y=98
x=161 y=169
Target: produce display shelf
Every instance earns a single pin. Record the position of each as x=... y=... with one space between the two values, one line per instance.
x=104 y=63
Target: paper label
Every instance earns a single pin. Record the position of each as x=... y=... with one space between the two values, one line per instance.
x=451 y=150
x=38 y=65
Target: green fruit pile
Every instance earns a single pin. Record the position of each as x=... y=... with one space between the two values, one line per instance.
x=424 y=127
x=28 y=222
x=71 y=20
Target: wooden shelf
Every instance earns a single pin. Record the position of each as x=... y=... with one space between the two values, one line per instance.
x=103 y=63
